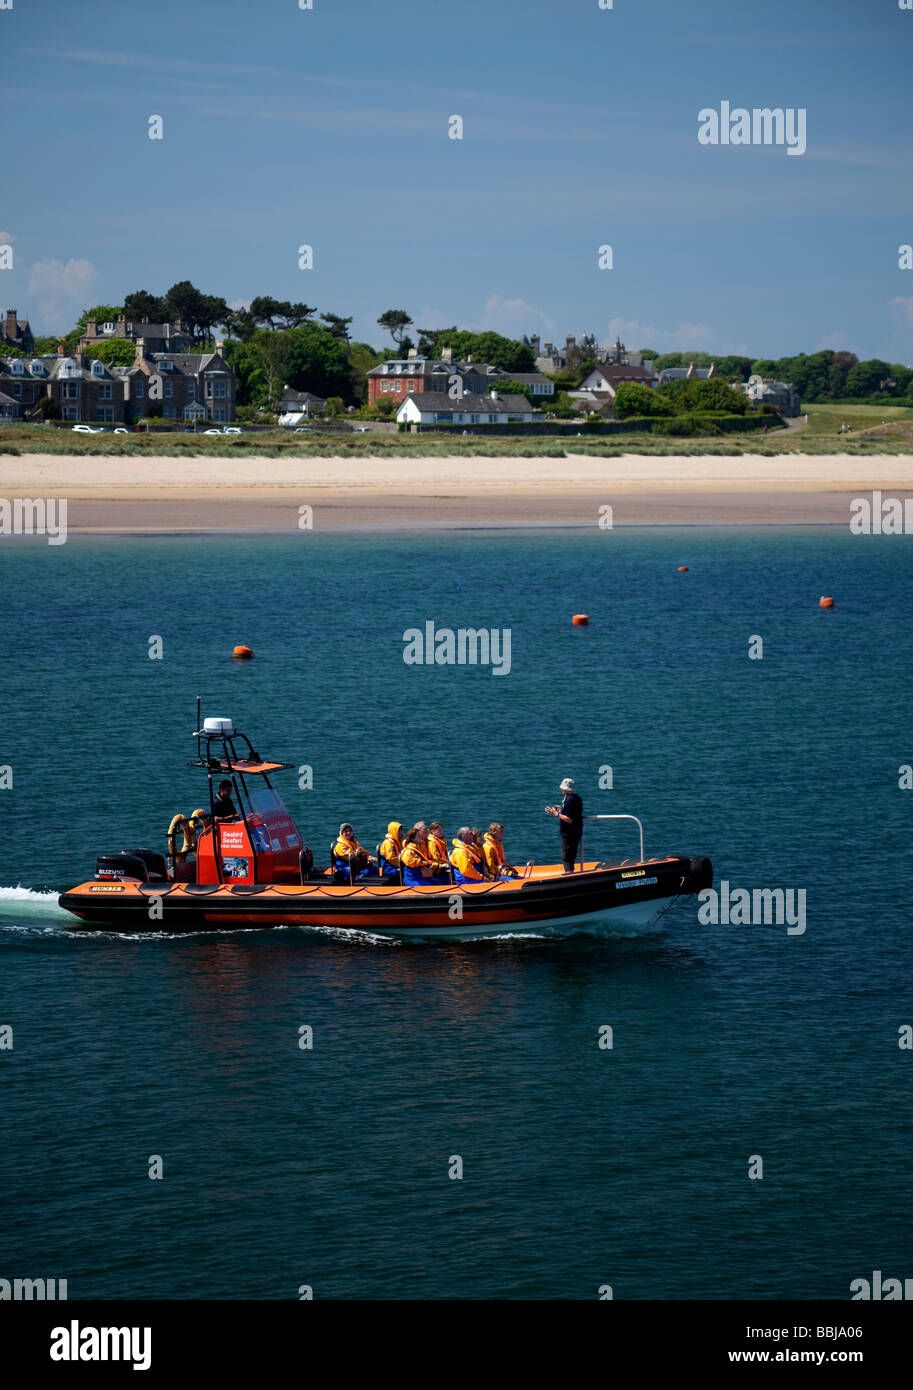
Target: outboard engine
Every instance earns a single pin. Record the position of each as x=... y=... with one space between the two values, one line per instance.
x=123 y=865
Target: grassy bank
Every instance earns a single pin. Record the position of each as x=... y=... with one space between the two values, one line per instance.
x=816 y=439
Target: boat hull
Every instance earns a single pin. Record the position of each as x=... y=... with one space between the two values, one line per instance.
x=632 y=893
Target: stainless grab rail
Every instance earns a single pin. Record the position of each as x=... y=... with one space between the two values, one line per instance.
x=638 y=823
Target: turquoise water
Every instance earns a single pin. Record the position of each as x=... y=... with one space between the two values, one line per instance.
x=582 y=1166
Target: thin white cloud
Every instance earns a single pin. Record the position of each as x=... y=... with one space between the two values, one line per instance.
x=684 y=337
x=512 y=317
x=836 y=340
x=60 y=288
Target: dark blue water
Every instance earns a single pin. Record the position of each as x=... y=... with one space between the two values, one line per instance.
x=581 y=1166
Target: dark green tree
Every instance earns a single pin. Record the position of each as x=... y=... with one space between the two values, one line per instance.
x=633 y=399
x=395 y=321
x=338 y=326
x=507 y=353
x=143 y=307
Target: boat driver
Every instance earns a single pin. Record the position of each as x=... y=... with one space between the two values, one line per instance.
x=224 y=807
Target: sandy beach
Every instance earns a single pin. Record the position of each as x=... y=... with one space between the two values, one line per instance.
x=388 y=493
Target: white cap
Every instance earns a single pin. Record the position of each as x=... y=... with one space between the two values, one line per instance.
x=568 y=784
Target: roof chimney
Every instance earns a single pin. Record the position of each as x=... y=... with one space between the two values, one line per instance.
x=446 y=354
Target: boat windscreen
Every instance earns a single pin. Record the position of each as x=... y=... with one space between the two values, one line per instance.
x=264 y=800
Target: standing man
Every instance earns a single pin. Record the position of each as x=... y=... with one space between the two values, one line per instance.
x=570 y=823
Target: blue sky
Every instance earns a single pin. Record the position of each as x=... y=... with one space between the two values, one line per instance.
x=330 y=127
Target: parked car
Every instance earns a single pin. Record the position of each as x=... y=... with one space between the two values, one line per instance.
x=212 y=431
x=88 y=429
x=232 y=429
x=362 y=429
x=120 y=430
x=303 y=429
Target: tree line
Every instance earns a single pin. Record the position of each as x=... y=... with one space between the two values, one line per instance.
x=272 y=343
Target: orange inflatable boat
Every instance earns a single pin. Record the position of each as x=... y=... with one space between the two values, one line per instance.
x=251 y=869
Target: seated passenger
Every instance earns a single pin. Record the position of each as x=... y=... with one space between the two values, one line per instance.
x=477 y=846
x=417 y=865
x=437 y=848
x=349 y=859
x=493 y=848
x=390 y=851
x=463 y=858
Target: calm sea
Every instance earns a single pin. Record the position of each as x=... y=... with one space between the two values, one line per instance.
x=581 y=1165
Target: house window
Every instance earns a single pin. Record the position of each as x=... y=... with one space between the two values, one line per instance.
x=385 y=386
x=220 y=414
x=71 y=412
x=168 y=412
x=17 y=388
x=105 y=413
x=191 y=390
x=104 y=392
x=98 y=368
x=139 y=388
x=169 y=387
x=221 y=390
x=71 y=390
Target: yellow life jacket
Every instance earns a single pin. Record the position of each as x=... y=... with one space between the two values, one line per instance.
x=464 y=860
x=437 y=848
x=495 y=857
x=393 y=844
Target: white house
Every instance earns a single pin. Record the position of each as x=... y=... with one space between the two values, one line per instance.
x=608 y=376
x=439 y=408
x=766 y=391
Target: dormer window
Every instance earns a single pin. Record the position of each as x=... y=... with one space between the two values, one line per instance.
x=108 y=327
x=98 y=368
x=68 y=368
x=17 y=367
x=37 y=368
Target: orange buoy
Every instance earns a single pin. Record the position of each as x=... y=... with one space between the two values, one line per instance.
x=683 y=569
x=242 y=653
x=580 y=619
x=825 y=602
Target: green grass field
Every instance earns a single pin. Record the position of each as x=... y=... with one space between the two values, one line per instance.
x=820 y=437
x=825 y=420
